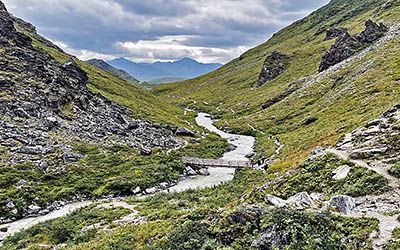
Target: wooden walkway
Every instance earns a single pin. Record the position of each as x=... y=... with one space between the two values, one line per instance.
x=203 y=163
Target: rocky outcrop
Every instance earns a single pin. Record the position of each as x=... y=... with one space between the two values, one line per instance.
x=274 y=65
x=378 y=140
x=274 y=237
x=347 y=45
x=299 y=201
x=372 y=32
x=46 y=106
x=333 y=32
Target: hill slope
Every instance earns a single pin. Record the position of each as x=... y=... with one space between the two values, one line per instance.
x=117 y=72
x=300 y=105
x=185 y=68
x=69 y=130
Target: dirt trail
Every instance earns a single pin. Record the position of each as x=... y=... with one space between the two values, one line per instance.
x=376 y=206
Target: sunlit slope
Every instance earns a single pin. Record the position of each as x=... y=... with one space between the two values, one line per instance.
x=335 y=102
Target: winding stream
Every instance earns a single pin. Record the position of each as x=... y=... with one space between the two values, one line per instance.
x=243 y=146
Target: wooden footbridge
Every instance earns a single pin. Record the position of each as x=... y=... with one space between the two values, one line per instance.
x=205 y=163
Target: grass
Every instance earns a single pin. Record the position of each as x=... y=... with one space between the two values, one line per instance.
x=68 y=230
x=338 y=103
x=316 y=177
x=103 y=171
x=138 y=100
x=316 y=115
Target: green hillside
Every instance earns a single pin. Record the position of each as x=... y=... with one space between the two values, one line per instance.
x=324 y=107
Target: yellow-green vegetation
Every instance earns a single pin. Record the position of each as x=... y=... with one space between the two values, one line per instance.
x=209 y=219
x=395 y=242
x=79 y=227
x=336 y=103
x=321 y=111
x=316 y=177
x=103 y=171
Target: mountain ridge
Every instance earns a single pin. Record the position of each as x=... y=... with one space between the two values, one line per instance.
x=184 y=68
x=101 y=64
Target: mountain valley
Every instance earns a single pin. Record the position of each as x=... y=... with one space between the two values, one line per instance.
x=307 y=125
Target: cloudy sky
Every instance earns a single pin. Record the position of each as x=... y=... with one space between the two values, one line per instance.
x=149 y=30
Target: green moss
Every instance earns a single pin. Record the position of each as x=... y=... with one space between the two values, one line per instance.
x=394 y=243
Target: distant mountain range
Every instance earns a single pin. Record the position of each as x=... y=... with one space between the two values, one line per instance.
x=117 y=72
x=185 y=68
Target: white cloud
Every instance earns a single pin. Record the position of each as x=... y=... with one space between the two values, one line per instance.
x=206 y=30
x=173 y=47
x=83 y=54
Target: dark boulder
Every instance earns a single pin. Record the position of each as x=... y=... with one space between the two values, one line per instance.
x=274 y=237
x=133 y=125
x=70 y=158
x=6 y=83
x=184 y=132
x=372 y=32
x=347 y=45
x=72 y=67
x=333 y=32
x=274 y=65
x=344 y=47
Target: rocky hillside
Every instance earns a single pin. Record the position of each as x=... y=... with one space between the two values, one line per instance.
x=42 y=97
x=117 y=72
x=344 y=73
x=54 y=114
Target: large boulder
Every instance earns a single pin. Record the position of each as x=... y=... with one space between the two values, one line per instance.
x=343 y=203
x=273 y=238
x=300 y=201
x=341 y=172
x=274 y=65
x=184 y=132
x=275 y=201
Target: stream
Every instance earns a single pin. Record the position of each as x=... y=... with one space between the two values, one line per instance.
x=243 y=147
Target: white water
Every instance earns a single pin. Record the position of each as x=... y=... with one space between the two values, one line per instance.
x=243 y=146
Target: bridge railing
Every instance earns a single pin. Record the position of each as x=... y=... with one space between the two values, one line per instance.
x=215 y=163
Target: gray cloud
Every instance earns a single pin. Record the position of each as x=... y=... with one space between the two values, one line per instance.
x=207 y=30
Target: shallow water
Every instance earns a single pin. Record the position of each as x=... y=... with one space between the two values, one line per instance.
x=243 y=146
